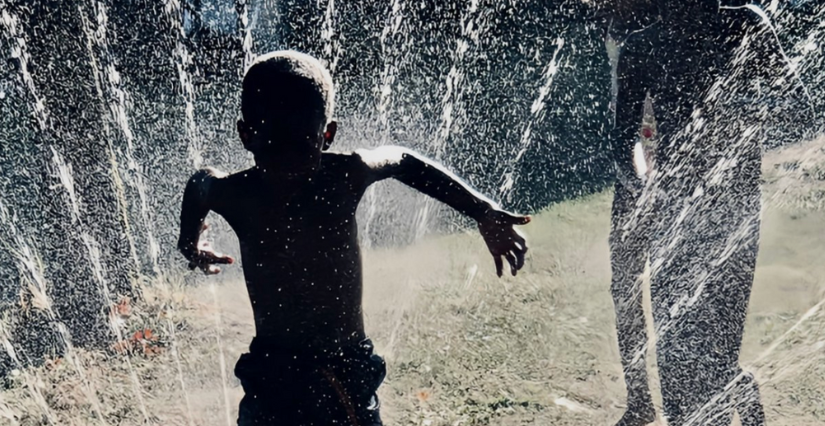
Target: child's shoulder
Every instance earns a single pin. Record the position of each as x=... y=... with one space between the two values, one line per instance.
x=209 y=181
x=334 y=157
x=210 y=175
x=365 y=161
x=343 y=161
x=371 y=157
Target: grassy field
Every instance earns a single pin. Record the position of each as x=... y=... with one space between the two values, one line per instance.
x=464 y=347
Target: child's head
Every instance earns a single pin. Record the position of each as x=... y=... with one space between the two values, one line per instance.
x=287 y=102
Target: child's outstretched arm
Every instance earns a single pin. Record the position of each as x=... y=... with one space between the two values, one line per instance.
x=196 y=206
x=496 y=225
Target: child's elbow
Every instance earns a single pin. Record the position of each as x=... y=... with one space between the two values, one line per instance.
x=182 y=245
x=205 y=174
x=199 y=187
x=186 y=248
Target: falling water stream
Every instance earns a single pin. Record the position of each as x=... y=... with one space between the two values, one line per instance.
x=452 y=118
x=193 y=135
x=392 y=52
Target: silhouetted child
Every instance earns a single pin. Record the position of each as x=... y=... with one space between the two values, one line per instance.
x=294 y=213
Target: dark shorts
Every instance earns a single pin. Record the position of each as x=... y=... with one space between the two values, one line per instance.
x=312 y=389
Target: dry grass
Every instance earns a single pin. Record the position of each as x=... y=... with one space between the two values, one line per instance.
x=463 y=347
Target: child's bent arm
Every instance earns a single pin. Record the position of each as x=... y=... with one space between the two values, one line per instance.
x=496 y=225
x=196 y=206
x=194 y=210
x=426 y=176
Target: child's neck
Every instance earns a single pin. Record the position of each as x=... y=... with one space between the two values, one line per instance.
x=271 y=176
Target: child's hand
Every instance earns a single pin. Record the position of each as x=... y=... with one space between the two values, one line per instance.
x=503 y=239
x=205 y=258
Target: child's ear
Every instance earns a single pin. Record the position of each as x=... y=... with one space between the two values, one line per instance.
x=243 y=133
x=329 y=134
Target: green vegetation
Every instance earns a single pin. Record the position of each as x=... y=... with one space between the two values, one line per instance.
x=463 y=347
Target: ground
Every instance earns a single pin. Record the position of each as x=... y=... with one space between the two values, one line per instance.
x=463 y=347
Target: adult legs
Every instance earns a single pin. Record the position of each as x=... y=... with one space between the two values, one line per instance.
x=700 y=323
x=749 y=402
x=629 y=236
x=628 y=255
x=704 y=254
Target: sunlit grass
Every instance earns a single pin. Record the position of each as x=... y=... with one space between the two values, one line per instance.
x=463 y=346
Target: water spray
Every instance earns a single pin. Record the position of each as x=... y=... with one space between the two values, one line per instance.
x=175 y=12
x=173 y=8
x=537 y=114
x=792 y=67
x=453 y=115
x=387 y=78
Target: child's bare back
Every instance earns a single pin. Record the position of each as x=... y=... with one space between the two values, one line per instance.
x=298 y=243
x=294 y=215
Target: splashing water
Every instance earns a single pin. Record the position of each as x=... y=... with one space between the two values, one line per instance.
x=792 y=65
x=452 y=85
x=242 y=9
x=387 y=79
x=29 y=379
x=733 y=394
x=537 y=113
x=331 y=50
x=184 y=63
x=119 y=116
x=26 y=257
x=20 y=51
x=453 y=114
x=221 y=357
x=31 y=271
x=64 y=172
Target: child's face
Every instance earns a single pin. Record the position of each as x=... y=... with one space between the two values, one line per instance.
x=293 y=151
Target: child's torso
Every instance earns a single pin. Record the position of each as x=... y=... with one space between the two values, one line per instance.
x=300 y=254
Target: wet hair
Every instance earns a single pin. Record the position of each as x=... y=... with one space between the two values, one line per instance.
x=287 y=90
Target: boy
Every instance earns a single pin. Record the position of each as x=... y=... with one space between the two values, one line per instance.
x=294 y=213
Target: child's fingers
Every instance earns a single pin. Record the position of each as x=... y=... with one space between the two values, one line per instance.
x=520 y=239
x=511 y=259
x=515 y=219
x=522 y=245
x=224 y=260
x=499 y=264
x=520 y=258
x=212 y=257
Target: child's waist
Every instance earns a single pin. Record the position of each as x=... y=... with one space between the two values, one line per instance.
x=275 y=373
x=269 y=363
x=277 y=350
